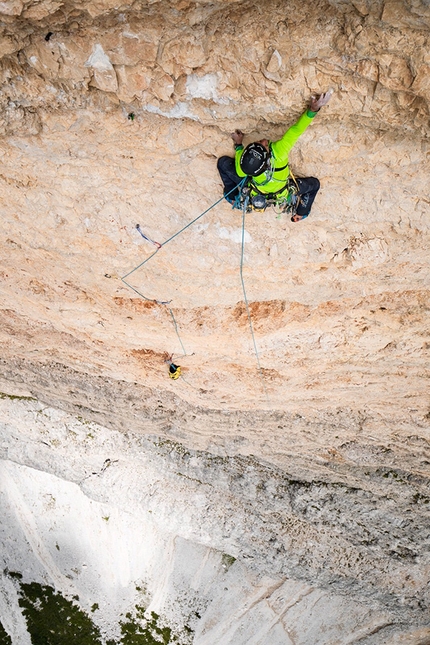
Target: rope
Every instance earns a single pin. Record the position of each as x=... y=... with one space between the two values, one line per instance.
x=188 y=383
x=159 y=246
x=246 y=302
x=176 y=330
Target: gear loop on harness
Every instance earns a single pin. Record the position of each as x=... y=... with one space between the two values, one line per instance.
x=258 y=201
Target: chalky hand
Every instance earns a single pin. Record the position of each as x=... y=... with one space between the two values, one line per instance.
x=318 y=102
x=237 y=136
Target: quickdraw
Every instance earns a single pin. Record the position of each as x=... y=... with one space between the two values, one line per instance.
x=148 y=239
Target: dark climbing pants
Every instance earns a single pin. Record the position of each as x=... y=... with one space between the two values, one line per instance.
x=230 y=178
x=308 y=186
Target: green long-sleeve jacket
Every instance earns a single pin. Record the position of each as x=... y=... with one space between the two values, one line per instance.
x=273 y=180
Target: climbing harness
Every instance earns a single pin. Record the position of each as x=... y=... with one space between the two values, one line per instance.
x=256 y=160
x=259 y=201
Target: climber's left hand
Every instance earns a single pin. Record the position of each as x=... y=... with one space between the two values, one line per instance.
x=318 y=102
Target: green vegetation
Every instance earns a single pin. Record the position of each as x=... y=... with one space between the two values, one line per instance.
x=13 y=574
x=14 y=397
x=83 y=421
x=5 y=639
x=191 y=479
x=173 y=446
x=53 y=620
x=418 y=497
x=392 y=474
x=227 y=560
x=140 y=630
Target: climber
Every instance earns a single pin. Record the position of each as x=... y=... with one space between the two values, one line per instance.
x=174 y=370
x=265 y=163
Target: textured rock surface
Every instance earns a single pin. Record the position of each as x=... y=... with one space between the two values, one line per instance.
x=104 y=515
x=315 y=469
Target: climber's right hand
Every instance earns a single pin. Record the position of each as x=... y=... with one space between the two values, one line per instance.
x=237 y=137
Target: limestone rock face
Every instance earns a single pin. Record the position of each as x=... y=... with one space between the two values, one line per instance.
x=296 y=440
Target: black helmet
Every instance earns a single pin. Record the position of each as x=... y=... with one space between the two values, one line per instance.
x=254 y=159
